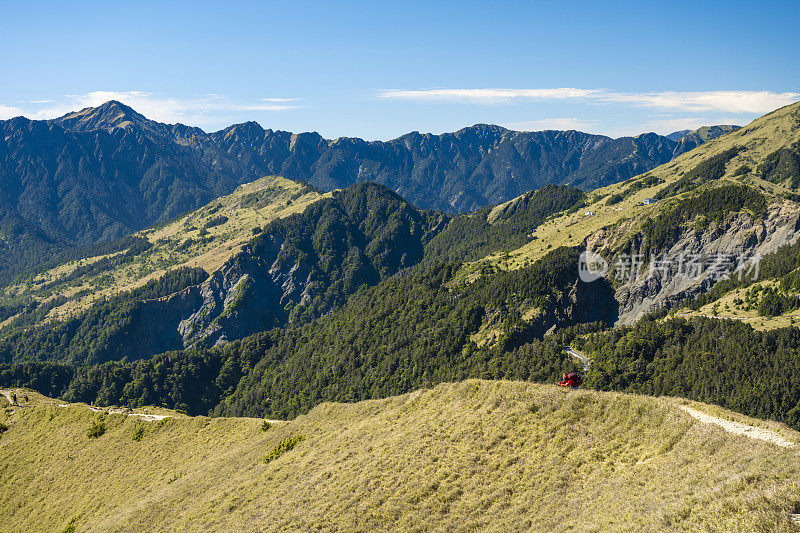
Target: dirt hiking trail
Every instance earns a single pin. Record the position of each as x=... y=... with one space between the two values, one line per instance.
x=740 y=429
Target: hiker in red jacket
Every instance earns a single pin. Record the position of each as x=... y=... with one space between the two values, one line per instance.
x=572 y=380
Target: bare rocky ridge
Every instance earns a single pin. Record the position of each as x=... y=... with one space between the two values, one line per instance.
x=241 y=298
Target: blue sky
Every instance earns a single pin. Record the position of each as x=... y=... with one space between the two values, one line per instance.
x=377 y=69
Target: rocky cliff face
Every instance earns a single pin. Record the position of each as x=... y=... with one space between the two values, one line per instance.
x=674 y=275
x=298 y=269
x=246 y=295
x=583 y=302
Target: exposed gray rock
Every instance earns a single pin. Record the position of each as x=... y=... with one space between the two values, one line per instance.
x=660 y=283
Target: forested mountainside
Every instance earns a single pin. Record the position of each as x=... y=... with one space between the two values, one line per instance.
x=493 y=294
x=460 y=171
x=295 y=269
x=711 y=209
x=101 y=173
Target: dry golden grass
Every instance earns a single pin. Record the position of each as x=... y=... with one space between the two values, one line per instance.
x=498 y=456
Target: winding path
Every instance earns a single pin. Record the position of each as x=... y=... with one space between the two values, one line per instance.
x=578 y=355
x=109 y=410
x=740 y=429
x=728 y=425
x=7 y=395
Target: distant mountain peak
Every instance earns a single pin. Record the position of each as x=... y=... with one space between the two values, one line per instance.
x=110 y=115
x=484 y=129
x=250 y=127
x=115 y=106
x=678 y=135
x=704 y=133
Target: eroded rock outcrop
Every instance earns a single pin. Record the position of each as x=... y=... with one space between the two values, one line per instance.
x=664 y=279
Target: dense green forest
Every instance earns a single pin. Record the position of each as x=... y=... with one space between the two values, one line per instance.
x=781 y=265
x=408 y=332
x=359 y=237
x=661 y=231
x=724 y=362
x=708 y=170
x=59 y=184
x=717 y=361
x=782 y=165
x=472 y=236
x=25 y=251
x=413 y=331
x=106 y=332
x=383 y=315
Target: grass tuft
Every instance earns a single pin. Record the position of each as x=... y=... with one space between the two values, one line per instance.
x=138 y=431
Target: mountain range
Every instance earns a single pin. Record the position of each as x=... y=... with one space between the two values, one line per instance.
x=276 y=297
x=101 y=173
x=278 y=300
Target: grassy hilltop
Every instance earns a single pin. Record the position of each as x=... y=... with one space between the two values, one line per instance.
x=477 y=454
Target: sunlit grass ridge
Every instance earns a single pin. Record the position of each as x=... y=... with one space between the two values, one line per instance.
x=472 y=455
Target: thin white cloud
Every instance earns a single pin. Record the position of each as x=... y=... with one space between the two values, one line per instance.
x=279 y=99
x=487 y=95
x=725 y=101
x=689 y=101
x=560 y=123
x=197 y=110
x=7 y=112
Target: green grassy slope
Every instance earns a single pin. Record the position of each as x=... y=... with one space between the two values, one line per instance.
x=474 y=455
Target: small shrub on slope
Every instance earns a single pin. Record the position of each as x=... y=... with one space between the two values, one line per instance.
x=97 y=429
x=283 y=446
x=138 y=431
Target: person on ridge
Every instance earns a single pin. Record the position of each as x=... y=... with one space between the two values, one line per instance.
x=573 y=380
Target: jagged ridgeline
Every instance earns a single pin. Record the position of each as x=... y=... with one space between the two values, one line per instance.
x=101 y=173
x=295 y=269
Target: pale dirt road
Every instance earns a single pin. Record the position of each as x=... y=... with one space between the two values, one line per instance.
x=7 y=395
x=110 y=410
x=578 y=355
x=740 y=429
x=729 y=426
